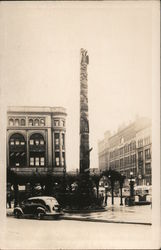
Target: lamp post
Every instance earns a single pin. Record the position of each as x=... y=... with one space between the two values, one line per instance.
x=131 y=183
x=122 y=178
x=64 y=179
x=112 y=187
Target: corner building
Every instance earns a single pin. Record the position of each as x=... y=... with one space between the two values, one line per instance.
x=36 y=139
x=129 y=150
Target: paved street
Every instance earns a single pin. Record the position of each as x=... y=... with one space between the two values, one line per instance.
x=72 y=234
x=114 y=213
x=30 y=234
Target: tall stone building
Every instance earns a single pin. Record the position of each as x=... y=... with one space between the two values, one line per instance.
x=36 y=139
x=129 y=150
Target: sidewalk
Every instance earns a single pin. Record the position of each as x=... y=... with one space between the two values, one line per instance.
x=117 y=214
x=113 y=214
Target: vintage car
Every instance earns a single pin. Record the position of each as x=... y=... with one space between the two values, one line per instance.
x=38 y=207
x=142 y=196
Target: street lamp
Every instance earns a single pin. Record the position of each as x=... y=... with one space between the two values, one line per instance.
x=131 y=184
x=111 y=178
x=64 y=179
x=122 y=178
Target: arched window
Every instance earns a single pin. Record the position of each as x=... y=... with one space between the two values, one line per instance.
x=42 y=122
x=11 y=122
x=16 y=122
x=30 y=122
x=23 y=122
x=37 y=150
x=56 y=123
x=17 y=151
x=36 y=122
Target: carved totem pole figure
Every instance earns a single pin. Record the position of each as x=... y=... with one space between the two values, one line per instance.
x=84 y=124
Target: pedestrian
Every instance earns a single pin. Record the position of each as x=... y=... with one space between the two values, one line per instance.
x=9 y=199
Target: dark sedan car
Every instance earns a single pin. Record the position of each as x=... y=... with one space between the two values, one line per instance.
x=38 y=207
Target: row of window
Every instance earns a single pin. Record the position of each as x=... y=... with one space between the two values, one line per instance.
x=57 y=159
x=37 y=161
x=127 y=172
x=144 y=142
x=31 y=122
x=130 y=159
x=148 y=168
x=59 y=123
x=147 y=155
x=36 y=139
x=122 y=150
x=19 y=159
x=134 y=170
x=58 y=138
x=17 y=154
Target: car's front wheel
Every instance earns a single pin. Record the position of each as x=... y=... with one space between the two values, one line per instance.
x=18 y=214
x=39 y=215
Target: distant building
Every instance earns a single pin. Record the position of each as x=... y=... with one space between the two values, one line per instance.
x=36 y=139
x=129 y=150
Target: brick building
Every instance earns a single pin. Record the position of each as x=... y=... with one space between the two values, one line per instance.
x=129 y=150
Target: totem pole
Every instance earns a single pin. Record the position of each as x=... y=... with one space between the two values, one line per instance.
x=84 y=123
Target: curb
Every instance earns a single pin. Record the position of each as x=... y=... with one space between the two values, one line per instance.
x=106 y=221
x=99 y=220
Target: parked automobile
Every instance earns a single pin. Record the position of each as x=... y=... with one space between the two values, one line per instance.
x=38 y=207
x=143 y=195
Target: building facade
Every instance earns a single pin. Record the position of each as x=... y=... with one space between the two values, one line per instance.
x=129 y=150
x=36 y=138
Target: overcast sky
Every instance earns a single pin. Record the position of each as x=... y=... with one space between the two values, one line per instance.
x=40 y=62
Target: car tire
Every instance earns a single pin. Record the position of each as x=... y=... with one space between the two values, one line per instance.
x=39 y=215
x=18 y=214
